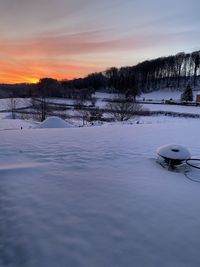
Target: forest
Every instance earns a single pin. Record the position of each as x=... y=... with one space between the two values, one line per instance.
x=174 y=71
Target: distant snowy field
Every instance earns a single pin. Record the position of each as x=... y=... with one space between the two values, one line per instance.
x=162 y=94
x=5 y=103
x=165 y=94
x=174 y=108
x=95 y=196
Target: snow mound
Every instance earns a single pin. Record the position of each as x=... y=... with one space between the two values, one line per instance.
x=54 y=122
x=173 y=152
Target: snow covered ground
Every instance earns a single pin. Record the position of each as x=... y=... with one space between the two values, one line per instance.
x=5 y=103
x=9 y=124
x=165 y=94
x=95 y=196
x=156 y=96
x=173 y=108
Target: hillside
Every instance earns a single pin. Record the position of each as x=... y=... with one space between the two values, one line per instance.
x=174 y=72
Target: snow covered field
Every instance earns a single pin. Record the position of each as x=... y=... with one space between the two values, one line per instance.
x=95 y=196
x=165 y=94
x=173 y=108
x=5 y=103
x=157 y=96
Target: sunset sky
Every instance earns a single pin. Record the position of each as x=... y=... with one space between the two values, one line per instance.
x=65 y=39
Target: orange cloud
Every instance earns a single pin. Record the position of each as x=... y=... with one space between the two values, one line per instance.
x=33 y=70
x=53 y=55
x=31 y=59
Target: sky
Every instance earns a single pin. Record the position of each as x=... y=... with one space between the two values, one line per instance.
x=66 y=39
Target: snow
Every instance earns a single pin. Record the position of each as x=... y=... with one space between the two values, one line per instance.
x=171 y=151
x=95 y=196
x=173 y=108
x=54 y=122
x=155 y=96
x=5 y=103
x=162 y=119
x=9 y=124
x=165 y=94
x=101 y=95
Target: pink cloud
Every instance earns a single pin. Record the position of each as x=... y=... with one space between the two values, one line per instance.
x=48 y=55
x=81 y=43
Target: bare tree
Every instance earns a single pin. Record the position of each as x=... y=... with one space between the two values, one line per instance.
x=79 y=102
x=46 y=88
x=123 y=109
x=41 y=107
x=89 y=115
x=85 y=115
x=93 y=101
x=11 y=104
x=96 y=114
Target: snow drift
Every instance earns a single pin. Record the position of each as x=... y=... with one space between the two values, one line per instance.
x=54 y=122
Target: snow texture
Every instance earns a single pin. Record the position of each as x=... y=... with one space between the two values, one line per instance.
x=95 y=196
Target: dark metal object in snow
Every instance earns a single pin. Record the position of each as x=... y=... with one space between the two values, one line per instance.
x=194 y=163
x=173 y=155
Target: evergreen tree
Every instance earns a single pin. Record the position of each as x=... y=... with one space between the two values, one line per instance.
x=187 y=95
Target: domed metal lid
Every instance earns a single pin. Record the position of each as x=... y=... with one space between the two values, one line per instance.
x=175 y=152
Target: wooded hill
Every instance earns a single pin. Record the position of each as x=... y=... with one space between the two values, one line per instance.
x=175 y=71
x=172 y=71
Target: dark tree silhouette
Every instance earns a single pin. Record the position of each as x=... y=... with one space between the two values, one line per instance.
x=187 y=95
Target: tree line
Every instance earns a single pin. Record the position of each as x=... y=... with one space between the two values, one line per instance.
x=175 y=71
x=172 y=71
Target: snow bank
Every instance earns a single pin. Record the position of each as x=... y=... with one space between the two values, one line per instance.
x=54 y=122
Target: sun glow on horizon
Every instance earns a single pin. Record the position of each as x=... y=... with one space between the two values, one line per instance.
x=32 y=80
x=12 y=79
x=70 y=39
